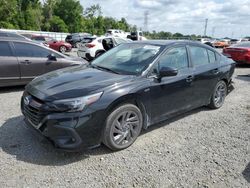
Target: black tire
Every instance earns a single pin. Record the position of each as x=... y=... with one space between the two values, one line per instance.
x=98 y=54
x=219 y=95
x=123 y=126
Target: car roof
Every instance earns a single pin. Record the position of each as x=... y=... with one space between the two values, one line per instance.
x=168 y=42
x=13 y=39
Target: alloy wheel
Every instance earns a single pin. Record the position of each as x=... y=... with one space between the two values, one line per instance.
x=125 y=128
x=220 y=94
x=62 y=49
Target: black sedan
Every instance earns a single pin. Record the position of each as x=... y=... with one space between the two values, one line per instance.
x=127 y=89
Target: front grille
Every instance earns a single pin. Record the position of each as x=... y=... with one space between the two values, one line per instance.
x=33 y=111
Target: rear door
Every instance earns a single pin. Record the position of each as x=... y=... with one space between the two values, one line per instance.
x=32 y=59
x=206 y=73
x=9 y=68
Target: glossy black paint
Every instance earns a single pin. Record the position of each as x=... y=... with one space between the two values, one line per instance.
x=157 y=98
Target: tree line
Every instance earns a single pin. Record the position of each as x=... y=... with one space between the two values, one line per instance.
x=57 y=16
x=65 y=16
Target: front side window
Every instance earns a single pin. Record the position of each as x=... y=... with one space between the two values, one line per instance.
x=5 y=49
x=175 y=58
x=30 y=50
x=128 y=58
x=199 y=55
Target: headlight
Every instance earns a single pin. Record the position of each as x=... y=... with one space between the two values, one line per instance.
x=76 y=104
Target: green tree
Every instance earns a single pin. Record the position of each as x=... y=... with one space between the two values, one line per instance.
x=70 y=11
x=57 y=25
x=48 y=12
x=8 y=11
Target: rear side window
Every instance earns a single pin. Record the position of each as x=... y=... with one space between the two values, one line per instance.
x=29 y=50
x=5 y=49
x=199 y=55
x=3 y=34
x=211 y=55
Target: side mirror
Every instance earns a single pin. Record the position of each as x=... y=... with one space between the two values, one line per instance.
x=167 y=71
x=52 y=57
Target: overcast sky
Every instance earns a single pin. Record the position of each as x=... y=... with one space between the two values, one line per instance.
x=226 y=17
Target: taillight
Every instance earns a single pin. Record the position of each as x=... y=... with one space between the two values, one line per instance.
x=89 y=45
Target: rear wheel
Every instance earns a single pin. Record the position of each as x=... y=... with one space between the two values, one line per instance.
x=123 y=126
x=78 y=44
x=219 y=95
x=62 y=49
x=98 y=54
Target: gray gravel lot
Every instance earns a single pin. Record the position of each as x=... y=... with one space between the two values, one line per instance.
x=203 y=148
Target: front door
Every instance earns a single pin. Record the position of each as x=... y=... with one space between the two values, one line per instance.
x=172 y=94
x=32 y=59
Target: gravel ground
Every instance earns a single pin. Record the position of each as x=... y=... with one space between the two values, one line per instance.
x=202 y=148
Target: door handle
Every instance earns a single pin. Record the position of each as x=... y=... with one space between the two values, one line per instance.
x=26 y=62
x=189 y=78
x=215 y=71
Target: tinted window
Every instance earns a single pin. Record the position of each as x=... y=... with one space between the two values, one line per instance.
x=199 y=55
x=15 y=35
x=175 y=58
x=211 y=56
x=3 y=34
x=38 y=38
x=5 y=49
x=243 y=44
x=29 y=50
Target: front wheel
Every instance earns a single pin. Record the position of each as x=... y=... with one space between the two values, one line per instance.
x=219 y=95
x=123 y=126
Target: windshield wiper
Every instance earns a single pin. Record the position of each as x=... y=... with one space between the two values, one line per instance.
x=104 y=68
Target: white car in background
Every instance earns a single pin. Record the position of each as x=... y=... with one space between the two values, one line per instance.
x=117 y=33
x=91 y=48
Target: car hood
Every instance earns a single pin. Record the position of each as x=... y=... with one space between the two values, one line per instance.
x=73 y=82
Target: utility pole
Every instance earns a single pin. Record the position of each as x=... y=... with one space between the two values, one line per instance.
x=146 y=13
x=205 y=30
x=213 y=31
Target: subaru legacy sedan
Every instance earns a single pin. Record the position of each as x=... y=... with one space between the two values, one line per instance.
x=129 y=88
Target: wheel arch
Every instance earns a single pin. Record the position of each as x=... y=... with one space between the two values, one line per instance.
x=98 y=51
x=131 y=98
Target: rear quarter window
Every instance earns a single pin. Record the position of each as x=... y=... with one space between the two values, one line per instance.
x=212 y=57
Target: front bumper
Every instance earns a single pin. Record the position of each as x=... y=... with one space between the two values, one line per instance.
x=68 y=131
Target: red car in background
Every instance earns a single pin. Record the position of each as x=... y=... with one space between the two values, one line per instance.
x=240 y=52
x=60 y=46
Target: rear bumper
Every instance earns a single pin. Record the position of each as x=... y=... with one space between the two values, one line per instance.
x=84 y=54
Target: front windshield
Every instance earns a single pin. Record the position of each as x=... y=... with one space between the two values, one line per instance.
x=128 y=58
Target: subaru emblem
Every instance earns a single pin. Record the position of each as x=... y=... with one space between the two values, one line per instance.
x=26 y=100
